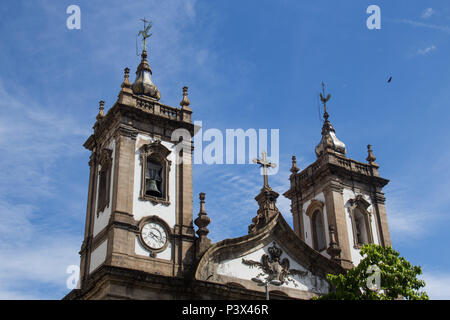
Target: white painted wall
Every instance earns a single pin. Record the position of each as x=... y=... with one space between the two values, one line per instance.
x=102 y=218
x=235 y=268
x=98 y=256
x=142 y=209
x=142 y=251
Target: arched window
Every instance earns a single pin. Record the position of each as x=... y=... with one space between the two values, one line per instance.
x=104 y=182
x=319 y=242
x=362 y=231
x=154 y=179
x=360 y=228
x=316 y=218
x=155 y=173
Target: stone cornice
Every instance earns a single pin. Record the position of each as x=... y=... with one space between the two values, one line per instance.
x=332 y=164
x=143 y=115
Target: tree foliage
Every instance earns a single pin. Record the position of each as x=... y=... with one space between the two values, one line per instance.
x=397 y=278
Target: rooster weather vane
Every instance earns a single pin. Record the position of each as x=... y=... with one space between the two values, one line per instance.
x=145 y=33
x=324 y=100
x=276 y=272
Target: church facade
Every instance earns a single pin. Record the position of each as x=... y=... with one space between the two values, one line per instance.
x=140 y=241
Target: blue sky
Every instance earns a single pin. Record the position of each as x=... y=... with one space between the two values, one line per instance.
x=248 y=64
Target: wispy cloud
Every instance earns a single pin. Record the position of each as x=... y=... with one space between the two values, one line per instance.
x=426 y=50
x=427 y=13
x=32 y=140
x=230 y=192
x=408 y=220
x=419 y=24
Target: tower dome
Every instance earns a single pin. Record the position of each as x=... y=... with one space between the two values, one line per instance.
x=143 y=84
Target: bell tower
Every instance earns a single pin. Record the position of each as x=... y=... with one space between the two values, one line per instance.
x=338 y=203
x=139 y=215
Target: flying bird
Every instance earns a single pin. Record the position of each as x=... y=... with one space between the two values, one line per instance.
x=389 y=80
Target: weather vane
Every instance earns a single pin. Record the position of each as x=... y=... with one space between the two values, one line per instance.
x=324 y=101
x=145 y=33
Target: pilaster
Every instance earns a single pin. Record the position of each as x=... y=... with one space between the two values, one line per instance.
x=334 y=202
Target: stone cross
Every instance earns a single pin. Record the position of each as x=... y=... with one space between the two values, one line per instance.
x=264 y=163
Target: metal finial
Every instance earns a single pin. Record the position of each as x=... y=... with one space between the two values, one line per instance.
x=145 y=33
x=324 y=101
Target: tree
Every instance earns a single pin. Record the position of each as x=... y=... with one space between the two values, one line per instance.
x=381 y=275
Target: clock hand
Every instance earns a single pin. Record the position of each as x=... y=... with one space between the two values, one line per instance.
x=154 y=235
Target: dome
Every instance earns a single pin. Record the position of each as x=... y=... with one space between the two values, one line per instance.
x=143 y=84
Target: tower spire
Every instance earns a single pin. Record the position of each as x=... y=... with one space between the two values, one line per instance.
x=143 y=84
x=329 y=141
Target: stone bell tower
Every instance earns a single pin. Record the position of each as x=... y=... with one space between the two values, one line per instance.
x=338 y=203
x=139 y=213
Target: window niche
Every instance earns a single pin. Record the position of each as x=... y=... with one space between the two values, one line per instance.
x=155 y=173
x=315 y=213
x=104 y=184
x=361 y=221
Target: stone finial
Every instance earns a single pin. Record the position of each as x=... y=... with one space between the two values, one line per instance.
x=101 y=109
x=333 y=250
x=294 y=168
x=370 y=158
x=202 y=220
x=126 y=78
x=185 y=101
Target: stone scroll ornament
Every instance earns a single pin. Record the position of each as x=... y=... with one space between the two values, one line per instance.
x=275 y=271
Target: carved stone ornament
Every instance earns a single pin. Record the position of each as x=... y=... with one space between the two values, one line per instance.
x=275 y=271
x=158 y=152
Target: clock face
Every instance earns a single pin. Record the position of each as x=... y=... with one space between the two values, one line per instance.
x=154 y=235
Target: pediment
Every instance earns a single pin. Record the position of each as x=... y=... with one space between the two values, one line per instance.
x=274 y=253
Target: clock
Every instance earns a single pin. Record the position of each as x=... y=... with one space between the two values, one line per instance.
x=154 y=235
